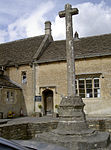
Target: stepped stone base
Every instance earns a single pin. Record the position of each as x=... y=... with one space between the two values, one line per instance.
x=97 y=140
x=72 y=130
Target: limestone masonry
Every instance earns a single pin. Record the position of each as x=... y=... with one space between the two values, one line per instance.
x=33 y=76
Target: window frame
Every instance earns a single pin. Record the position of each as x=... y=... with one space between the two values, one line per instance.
x=98 y=88
x=85 y=86
x=82 y=79
x=9 y=96
x=24 y=74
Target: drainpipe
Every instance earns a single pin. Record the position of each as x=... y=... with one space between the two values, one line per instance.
x=34 y=83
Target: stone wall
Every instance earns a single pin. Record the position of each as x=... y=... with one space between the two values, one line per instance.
x=102 y=105
x=100 y=124
x=18 y=131
x=14 y=105
x=54 y=74
x=15 y=74
x=35 y=128
x=25 y=130
x=30 y=130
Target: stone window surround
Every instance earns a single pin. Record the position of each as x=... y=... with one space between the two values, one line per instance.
x=24 y=77
x=95 y=91
x=10 y=96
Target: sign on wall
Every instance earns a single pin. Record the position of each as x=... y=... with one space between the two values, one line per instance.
x=38 y=98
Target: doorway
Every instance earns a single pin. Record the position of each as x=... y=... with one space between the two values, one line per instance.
x=48 y=101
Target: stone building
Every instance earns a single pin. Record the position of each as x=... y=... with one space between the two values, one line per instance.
x=38 y=66
x=11 y=97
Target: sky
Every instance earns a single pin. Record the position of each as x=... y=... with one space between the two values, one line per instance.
x=21 y=19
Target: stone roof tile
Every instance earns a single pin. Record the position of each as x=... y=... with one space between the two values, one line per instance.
x=5 y=82
x=20 y=51
x=84 y=47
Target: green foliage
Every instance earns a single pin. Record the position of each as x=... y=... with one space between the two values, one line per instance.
x=56 y=106
x=40 y=106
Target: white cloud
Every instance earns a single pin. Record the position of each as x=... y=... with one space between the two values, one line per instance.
x=58 y=28
x=30 y=25
x=3 y=35
x=93 y=19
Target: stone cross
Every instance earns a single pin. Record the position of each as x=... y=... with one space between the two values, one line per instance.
x=67 y=13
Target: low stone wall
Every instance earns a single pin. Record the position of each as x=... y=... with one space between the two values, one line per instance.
x=35 y=128
x=25 y=130
x=18 y=131
x=30 y=130
x=100 y=124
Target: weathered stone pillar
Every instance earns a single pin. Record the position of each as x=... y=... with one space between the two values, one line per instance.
x=69 y=11
x=72 y=116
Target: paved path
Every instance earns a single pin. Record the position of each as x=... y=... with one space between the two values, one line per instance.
x=21 y=120
x=45 y=119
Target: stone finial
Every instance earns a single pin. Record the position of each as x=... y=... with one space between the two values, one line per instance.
x=76 y=36
x=68 y=6
x=48 y=28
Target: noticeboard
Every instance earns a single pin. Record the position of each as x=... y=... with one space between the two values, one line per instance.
x=38 y=98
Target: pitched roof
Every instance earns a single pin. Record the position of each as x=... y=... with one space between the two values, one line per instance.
x=84 y=48
x=20 y=51
x=5 y=82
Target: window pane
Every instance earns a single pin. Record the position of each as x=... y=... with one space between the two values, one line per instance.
x=81 y=88
x=76 y=86
x=81 y=83
x=97 y=92
x=96 y=82
x=82 y=95
x=89 y=81
x=24 y=77
x=89 y=84
x=8 y=96
x=96 y=88
x=89 y=93
x=11 y=96
x=89 y=88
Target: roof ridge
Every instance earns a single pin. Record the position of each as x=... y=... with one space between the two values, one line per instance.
x=100 y=35
x=22 y=39
x=59 y=40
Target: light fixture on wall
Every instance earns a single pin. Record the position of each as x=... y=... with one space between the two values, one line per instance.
x=102 y=76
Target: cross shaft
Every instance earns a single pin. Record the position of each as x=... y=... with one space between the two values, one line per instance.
x=67 y=13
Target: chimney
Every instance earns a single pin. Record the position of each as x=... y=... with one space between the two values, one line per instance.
x=48 y=28
x=76 y=36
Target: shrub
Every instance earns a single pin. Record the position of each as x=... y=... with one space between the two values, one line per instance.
x=56 y=106
x=40 y=106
